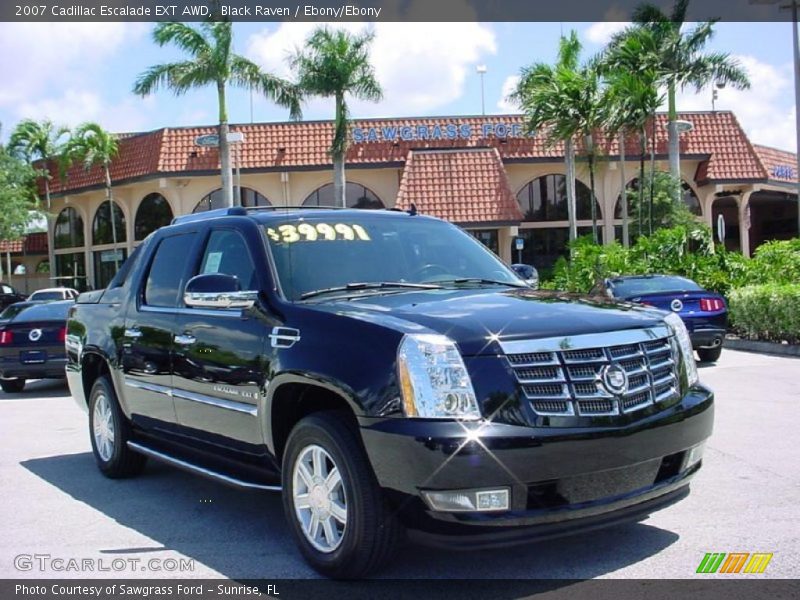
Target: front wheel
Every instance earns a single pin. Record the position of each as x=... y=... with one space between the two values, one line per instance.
x=709 y=354
x=334 y=505
x=12 y=386
x=110 y=433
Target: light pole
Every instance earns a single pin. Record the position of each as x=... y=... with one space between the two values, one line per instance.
x=793 y=5
x=719 y=85
x=481 y=70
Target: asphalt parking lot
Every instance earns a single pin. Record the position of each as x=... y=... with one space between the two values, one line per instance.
x=55 y=502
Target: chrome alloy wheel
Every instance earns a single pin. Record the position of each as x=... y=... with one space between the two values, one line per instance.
x=103 y=422
x=319 y=498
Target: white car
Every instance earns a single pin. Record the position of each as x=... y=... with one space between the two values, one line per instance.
x=59 y=293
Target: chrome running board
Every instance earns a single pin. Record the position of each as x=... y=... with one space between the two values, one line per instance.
x=193 y=468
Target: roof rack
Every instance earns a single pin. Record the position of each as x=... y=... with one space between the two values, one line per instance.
x=211 y=214
x=257 y=208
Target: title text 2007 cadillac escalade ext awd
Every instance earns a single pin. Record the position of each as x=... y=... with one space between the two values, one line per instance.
x=390 y=376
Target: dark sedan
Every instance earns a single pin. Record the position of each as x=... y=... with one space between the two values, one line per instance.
x=704 y=313
x=8 y=295
x=32 y=336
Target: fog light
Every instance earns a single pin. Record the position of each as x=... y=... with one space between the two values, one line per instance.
x=694 y=455
x=468 y=500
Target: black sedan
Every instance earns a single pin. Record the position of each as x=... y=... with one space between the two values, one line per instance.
x=8 y=295
x=32 y=336
x=704 y=313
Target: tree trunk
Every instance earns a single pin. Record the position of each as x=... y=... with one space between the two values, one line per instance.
x=652 y=178
x=674 y=139
x=339 y=180
x=623 y=196
x=642 y=158
x=47 y=188
x=224 y=149
x=111 y=212
x=593 y=200
x=569 y=157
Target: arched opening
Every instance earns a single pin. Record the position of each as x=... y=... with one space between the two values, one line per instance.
x=356 y=196
x=102 y=232
x=689 y=198
x=772 y=215
x=726 y=208
x=545 y=199
x=68 y=231
x=214 y=200
x=153 y=212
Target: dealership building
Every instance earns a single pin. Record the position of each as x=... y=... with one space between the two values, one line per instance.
x=482 y=173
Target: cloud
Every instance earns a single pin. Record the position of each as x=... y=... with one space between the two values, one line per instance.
x=600 y=33
x=766 y=110
x=44 y=56
x=421 y=66
x=504 y=104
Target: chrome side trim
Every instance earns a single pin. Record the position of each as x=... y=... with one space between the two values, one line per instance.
x=581 y=342
x=242 y=407
x=149 y=387
x=193 y=468
x=197 y=312
x=284 y=337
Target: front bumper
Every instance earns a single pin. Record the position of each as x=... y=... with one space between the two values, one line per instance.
x=561 y=479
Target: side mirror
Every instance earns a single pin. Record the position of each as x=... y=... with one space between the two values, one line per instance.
x=217 y=290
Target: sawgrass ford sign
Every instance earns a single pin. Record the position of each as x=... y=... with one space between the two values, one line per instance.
x=436 y=131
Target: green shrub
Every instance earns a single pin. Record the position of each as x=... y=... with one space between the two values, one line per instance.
x=776 y=262
x=768 y=312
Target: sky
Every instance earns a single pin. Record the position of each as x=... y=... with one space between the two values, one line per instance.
x=76 y=72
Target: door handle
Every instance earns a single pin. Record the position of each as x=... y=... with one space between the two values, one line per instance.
x=133 y=332
x=185 y=339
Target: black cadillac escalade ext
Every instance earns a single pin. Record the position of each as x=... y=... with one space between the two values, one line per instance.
x=390 y=376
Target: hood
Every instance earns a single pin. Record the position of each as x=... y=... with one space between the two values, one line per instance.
x=472 y=317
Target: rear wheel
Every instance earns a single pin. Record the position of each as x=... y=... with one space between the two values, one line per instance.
x=12 y=386
x=110 y=432
x=334 y=505
x=709 y=354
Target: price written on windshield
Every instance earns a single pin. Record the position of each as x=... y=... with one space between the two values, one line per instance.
x=318 y=232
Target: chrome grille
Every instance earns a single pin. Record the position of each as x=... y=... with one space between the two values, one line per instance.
x=566 y=380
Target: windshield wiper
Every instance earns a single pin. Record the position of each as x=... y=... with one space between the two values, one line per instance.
x=370 y=286
x=481 y=280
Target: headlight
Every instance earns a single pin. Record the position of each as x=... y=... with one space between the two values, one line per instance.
x=433 y=379
x=675 y=323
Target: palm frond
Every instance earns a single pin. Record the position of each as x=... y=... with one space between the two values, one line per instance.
x=245 y=73
x=182 y=35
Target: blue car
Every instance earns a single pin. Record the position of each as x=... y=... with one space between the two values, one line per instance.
x=704 y=313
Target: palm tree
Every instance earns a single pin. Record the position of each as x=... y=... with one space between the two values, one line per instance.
x=633 y=99
x=681 y=62
x=38 y=140
x=335 y=64
x=92 y=145
x=565 y=100
x=213 y=62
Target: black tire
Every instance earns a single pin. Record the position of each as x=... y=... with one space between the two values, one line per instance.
x=709 y=354
x=372 y=532
x=12 y=386
x=122 y=461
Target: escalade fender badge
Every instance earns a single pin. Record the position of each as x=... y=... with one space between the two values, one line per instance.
x=284 y=337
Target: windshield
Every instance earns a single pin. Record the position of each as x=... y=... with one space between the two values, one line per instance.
x=324 y=252
x=640 y=286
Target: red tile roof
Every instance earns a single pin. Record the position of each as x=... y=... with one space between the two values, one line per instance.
x=33 y=243
x=461 y=186
x=780 y=165
x=717 y=137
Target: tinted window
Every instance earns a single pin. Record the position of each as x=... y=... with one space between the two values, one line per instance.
x=227 y=253
x=125 y=269
x=51 y=311
x=47 y=296
x=627 y=288
x=169 y=264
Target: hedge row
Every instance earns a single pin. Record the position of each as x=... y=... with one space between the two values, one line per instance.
x=768 y=312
